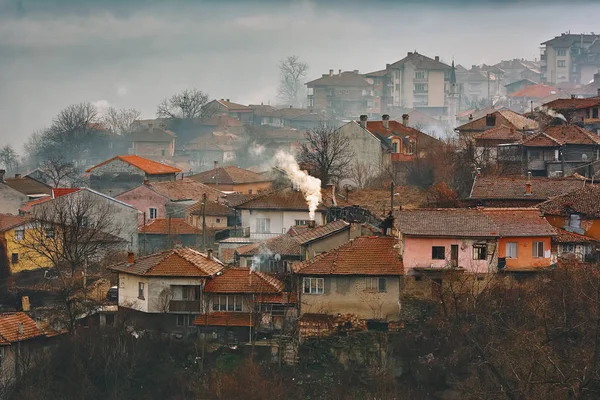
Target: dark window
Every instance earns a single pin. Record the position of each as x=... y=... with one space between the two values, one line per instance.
x=438 y=253
x=15 y=258
x=479 y=252
x=141 y=290
x=595 y=112
x=418 y=278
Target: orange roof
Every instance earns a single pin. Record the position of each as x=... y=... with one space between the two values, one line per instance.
x=225 y=319
x=558 y=135
x=148 y=166
x=243 y=280
x=166 y=226
x=365 y=255
x=58 y=192
x=229 y=176
x=504 y=133
x=9 y=328
x=573 y=104
x=174 y=262
x=27 y=206
x=538 y=91
x=8 y=221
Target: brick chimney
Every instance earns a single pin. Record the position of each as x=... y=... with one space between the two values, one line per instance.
x=528 y=185
x=405 y=119
x=385 y=118
x=437 y=58
x=490 y=120
x=470 y=117
x=209 y=254
x=331 y=188
x=130 y=258
x=330 y=72
x=2 y=173
x=363 y=121
x=216 y=163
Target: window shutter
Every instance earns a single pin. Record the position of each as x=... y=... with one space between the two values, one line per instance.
x=326 y=285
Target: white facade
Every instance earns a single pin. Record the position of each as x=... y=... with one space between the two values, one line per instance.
x=269 y=223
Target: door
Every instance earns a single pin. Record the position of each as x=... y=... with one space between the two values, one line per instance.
x=454 y=255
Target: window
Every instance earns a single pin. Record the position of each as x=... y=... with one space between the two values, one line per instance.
x=561 y=52
x=438 y=252
x=479 y=251
x=19 y=234
x=511 y=250
x=375 y=285
x=301 y=222
x=49 y=233
x=538 y=249
x=561 y=63
x=419 y=74
x=152 y=213
x=574 y=221
x=420 y=88
x=249 y=191
x=218 y=220
x=595 y=112
x=314 y=285
x=14 y=258
x=184 y=319
x=227 y=303
x=190 y=293
x=263 y=225
x=411 y=148
x=82 y=220
x=141 y=290
x=567 y=248
x=395 y=147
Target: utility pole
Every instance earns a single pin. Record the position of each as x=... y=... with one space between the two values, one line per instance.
x=144 y=231
x=85 y=268
x=392 y=197
x=204 y=222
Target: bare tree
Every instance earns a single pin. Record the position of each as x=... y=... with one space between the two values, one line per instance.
x=9 y=157
x=65 y=235
x=362 y=173
x=75 y=120
x=60 y=171
x=188 y=104
x=120 y=121
x=326 y=154
x=291 y=73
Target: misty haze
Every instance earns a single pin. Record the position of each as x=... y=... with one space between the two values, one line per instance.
x=327 y=199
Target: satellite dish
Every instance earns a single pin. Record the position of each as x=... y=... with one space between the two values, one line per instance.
x=277 y=257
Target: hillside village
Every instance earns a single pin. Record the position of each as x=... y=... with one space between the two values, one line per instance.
x=392 y=203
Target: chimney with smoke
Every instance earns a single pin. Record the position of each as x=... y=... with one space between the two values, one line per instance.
x=309 y=185
x=330 y=72
x=470 y=117
x=405 y=119
x=363 y=121
x=385 y=118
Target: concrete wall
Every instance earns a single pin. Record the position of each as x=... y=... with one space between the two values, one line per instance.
x=366 y=147
x=331 y=242
x=219 y=222
x=525 y=257
x=128 y=292
x=143 y=198
x=10 y=200
x=281 y=221
x=157 y=285
x=436 y=89
x=417 y=252
x=347 y=295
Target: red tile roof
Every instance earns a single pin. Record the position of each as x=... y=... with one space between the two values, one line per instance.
x=503 y=133
x=282 y=199
x=8 y=221
x=212 y=208
x=166 y=226
x=365 y=255
x=229 y=176
x=223 y=318
x=285 y=245
x=538 y=91
x=503 y=117
x=148 y=166
x=320 y=231
x=234 y=106
x=558 y=135
x=174 y=262
x=58 y=192
x=540 y=140
x=514 y=222
x=573 y=104
x=243 y=280
x=584 y=200
x=184 y=189
x=513 y=187
x=346 y=78
x=9 y=328
x=563 y=236
x=29 y=205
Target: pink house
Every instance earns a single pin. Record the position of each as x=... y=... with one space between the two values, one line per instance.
x=147 y=201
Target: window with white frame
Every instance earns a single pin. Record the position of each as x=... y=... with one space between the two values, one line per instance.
x=227 y=303
x=375 y=284
x=538 y=249
x=141 y=290
x=301 y=222
x=511 y=249
x=19 y=234
x=313 y=285
x=152 y=213
x=561 y=52
x=574 y=221
x=561 y=63
x=419 y=74
x=263 y=225
x=420 y=88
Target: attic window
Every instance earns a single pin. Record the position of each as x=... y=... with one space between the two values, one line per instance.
x=574 y=221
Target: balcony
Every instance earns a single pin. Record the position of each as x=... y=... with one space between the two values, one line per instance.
x=186 y=306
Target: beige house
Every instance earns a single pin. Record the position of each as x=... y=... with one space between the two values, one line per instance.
x=362 y=277
x=216 y=215
x=570 y=58
x=152 y=141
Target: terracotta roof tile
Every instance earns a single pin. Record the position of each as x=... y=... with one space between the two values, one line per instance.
x=572 y=134
x=516 y=222
x=503 y=117
x=174 y=262
x=282 y=199
x=58 y=192
x=212 y=208
x=421 y=62
x=396 y=128
x=223 y=318
x=541 y=139
x=29 y=205
x=285 y=244
x=320 y=231
x=563 y=236
x=513 y=187
x=573 y=104
x=502 y=133
x=229 y=176
x=243 y=280
x=9 y=328
x=227 y=255
x=166 y=226
x=148 y=166
x=584 y=200
x=184 y=189
x=538 y=91
x=8 y=221
x=231 y=106
x=365 y=255
x=28 y=186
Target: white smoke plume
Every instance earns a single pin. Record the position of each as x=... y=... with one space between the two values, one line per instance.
x=552 y=113
x=256 y=150
x=264 y=254
x=309 y=185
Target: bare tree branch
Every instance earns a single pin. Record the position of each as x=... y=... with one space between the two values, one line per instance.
x=120 y=122
x=291 y=73
x=189 y=104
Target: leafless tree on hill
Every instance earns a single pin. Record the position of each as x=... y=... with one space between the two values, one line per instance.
x=120 y=121
x=188 y=104
x=326 y=154
x=9 y=157
x=292 y=71
x=60 y=171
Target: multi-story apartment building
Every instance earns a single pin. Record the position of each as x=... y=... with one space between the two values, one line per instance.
x=571 y=58
x=345 y=94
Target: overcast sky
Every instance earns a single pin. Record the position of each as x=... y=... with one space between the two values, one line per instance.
x=134 y=53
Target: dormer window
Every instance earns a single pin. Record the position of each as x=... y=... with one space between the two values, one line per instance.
x=395 y=147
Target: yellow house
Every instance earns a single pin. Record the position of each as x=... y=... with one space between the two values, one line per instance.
x=13 y=231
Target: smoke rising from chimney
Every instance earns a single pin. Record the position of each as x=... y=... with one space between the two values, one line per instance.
x=550 y=112
x=309 y=185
